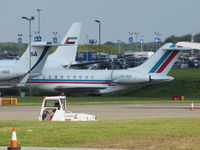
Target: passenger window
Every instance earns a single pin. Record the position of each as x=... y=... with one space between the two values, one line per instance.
x=43 y=76
x=74 y=77
x=49 y=76
x=56 y=76
x=61 y=76
x=79 y=77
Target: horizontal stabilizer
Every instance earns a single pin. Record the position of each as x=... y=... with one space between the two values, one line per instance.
x=191 y=45
x=41 y=44
x=177 y=47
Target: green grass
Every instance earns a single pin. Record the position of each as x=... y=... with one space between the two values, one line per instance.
x=35 y=101
x=162 y=134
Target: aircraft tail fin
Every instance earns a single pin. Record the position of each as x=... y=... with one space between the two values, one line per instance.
x=163 y=60
x=39 y=53
x=65 y=55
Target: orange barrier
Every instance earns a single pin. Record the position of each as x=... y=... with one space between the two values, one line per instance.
x=178 y=98
x=13 y=142
x=192 y=106
x=6 y=101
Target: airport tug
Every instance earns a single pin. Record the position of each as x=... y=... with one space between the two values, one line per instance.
x=54 y=109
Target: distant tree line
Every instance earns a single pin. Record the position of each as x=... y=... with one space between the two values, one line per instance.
x=108 y=47
x=175 y=39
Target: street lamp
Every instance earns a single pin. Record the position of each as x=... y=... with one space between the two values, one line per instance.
x=157 y=39
x=20 y=42
x=99 y=22
x=131 y=39
x=38 y=10
x=192 y=40
x=136 y=35
x=55 y=39
x=29 y=19
x=192 y=37
x=141 y=42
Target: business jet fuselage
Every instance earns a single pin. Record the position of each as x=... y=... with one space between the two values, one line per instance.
x=63 y=80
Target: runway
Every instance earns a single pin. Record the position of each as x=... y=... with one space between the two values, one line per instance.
x=109 y=112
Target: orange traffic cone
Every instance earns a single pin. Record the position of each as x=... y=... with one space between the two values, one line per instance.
x=192 y=106
x=13 y=142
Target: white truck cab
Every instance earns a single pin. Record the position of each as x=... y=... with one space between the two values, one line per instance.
x=54 y=109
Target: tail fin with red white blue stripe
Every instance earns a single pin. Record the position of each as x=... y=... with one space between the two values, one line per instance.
x=163 y=60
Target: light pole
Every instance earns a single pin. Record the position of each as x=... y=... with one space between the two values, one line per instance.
x=136 y=35
x=192 y=37
x=39 y=10
x=29 y=19
x=131 y=40
x=159 y=44
x=119 y=42
x=192 y=40
x=99 y=22
x=157 y=39
x=141 y=42
x=59 y=37
x=55 y=39
x=20 y=42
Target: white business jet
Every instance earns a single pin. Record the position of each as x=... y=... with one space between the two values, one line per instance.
x=58 y=78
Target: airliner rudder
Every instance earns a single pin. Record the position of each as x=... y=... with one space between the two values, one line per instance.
x=162 y=61
x=65 y=55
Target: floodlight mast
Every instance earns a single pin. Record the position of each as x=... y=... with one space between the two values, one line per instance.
x=29 y=20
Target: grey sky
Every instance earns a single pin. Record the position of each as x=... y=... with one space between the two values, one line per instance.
x=118 y=18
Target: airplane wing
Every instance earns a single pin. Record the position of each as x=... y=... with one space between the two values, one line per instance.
x=41 y=44
x=82 y=64
x=15 y=82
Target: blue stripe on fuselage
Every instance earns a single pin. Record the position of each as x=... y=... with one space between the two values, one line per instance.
x=161 y=60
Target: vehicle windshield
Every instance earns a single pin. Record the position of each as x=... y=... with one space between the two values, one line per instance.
x=52 y=103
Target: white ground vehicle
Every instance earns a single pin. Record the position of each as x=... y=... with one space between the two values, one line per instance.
x=54 y=109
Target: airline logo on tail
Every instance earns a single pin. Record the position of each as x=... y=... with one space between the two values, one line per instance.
x=164 y=61
x=71 y=40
